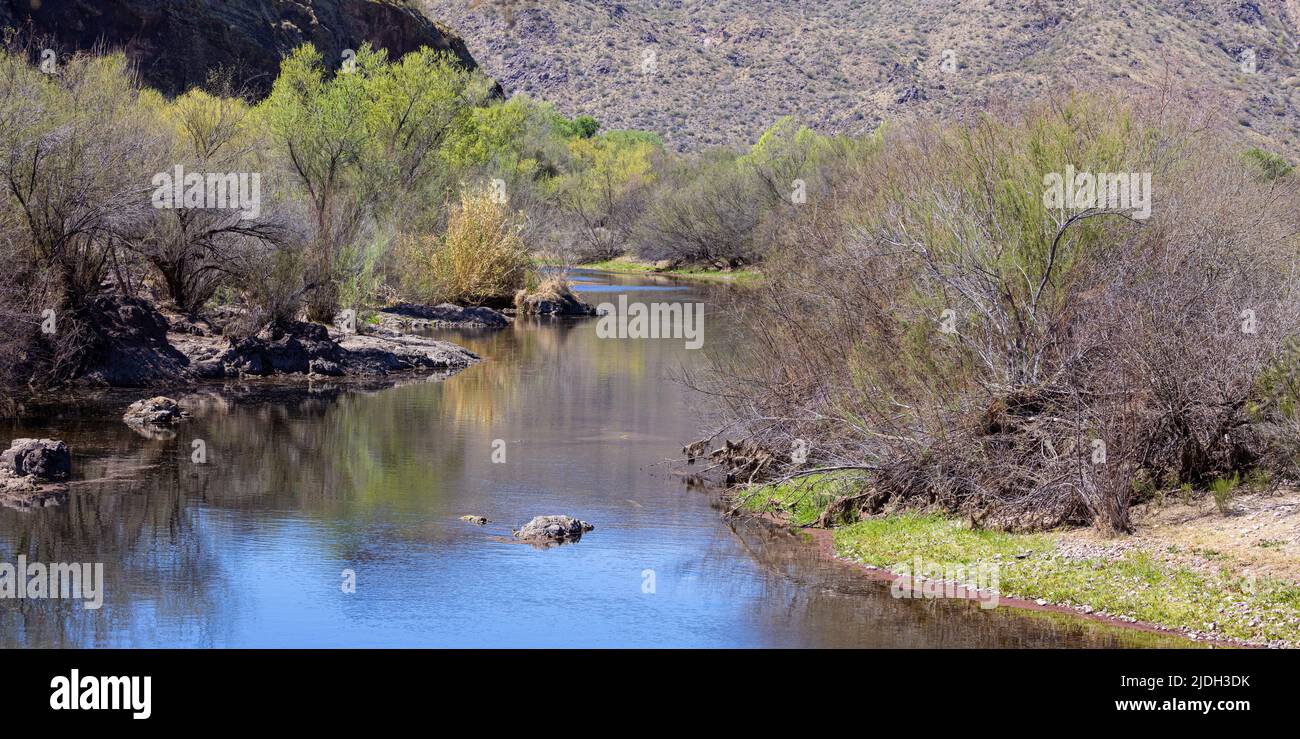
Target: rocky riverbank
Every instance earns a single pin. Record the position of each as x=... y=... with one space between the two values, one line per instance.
x=142 y=346
x=34 y=473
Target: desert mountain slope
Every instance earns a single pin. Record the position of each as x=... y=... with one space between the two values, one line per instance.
x=724 y=69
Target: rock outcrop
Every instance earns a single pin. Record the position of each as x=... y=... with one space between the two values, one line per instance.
x=32 y=474
x=177 y=45
x=548 y=530
x=130 y=345
x=552 y=298
x=381 y=355
x=287 y=347
x=411 y=316
x=155 y=412
x=313 y=350
x=43 y=459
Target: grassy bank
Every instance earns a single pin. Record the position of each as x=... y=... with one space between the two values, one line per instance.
x=629 y=265
x=1135 y=579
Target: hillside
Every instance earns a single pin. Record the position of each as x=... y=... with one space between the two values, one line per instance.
x=725 y=69
x=178 y=43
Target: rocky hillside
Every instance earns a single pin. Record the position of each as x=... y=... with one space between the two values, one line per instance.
x=178 y=43
x=708 y=72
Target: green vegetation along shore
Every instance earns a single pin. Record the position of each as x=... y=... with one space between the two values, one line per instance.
x=1212 y=594
x=630 y=265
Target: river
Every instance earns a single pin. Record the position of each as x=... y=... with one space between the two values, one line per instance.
x=300 y=487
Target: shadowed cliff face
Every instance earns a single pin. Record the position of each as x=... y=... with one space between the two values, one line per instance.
x=178 y=43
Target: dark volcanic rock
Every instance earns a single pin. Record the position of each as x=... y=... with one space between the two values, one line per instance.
x=178 y=43
x=156 y=411
x=380 y=355
x=32 y=472
x=545 y=530
x=311 y=349
x=284 y=347
x=444 y=315
x=131 y=347
x=43 y=459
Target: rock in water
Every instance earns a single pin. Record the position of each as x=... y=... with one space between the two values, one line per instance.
x=553 y=297
x=552 y=530
x=26 y=493
x=403 y=316
x=43 y=459
x=156 y=411
x=479 y=520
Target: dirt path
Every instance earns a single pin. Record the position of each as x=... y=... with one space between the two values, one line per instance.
x=1260 y=535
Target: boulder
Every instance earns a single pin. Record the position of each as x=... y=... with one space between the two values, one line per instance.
x=553 y=297
x=129 y=346
x=443 y=315
x=43 y=459
x=552 y=530
x=156 y=411
x=284 y=347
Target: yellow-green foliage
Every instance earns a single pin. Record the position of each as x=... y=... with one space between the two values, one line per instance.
x=606 y=168
x=481 y=259
x=209 y=125
x=380 y=126
x=975 y=196
x=504 y=134
x=786 y=151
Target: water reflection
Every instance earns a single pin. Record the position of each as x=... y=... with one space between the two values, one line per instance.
x=249 y=549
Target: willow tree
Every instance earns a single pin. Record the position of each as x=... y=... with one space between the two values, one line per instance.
x=362 y=141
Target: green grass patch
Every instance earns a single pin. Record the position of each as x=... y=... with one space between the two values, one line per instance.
x=885 y=542
x=1136 y=584
x=628 y=265
x=802 y=500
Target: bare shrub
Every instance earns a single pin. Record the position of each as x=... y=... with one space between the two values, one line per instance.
x=703 y=212
x=75 y=153
x=937 y=325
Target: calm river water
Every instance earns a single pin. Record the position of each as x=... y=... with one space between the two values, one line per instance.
x=249 y=549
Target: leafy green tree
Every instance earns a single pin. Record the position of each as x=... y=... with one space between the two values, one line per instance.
x=364 y=144
x=605 y=190
x=321 y=122
x=1271 y=165
x=582 y=127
